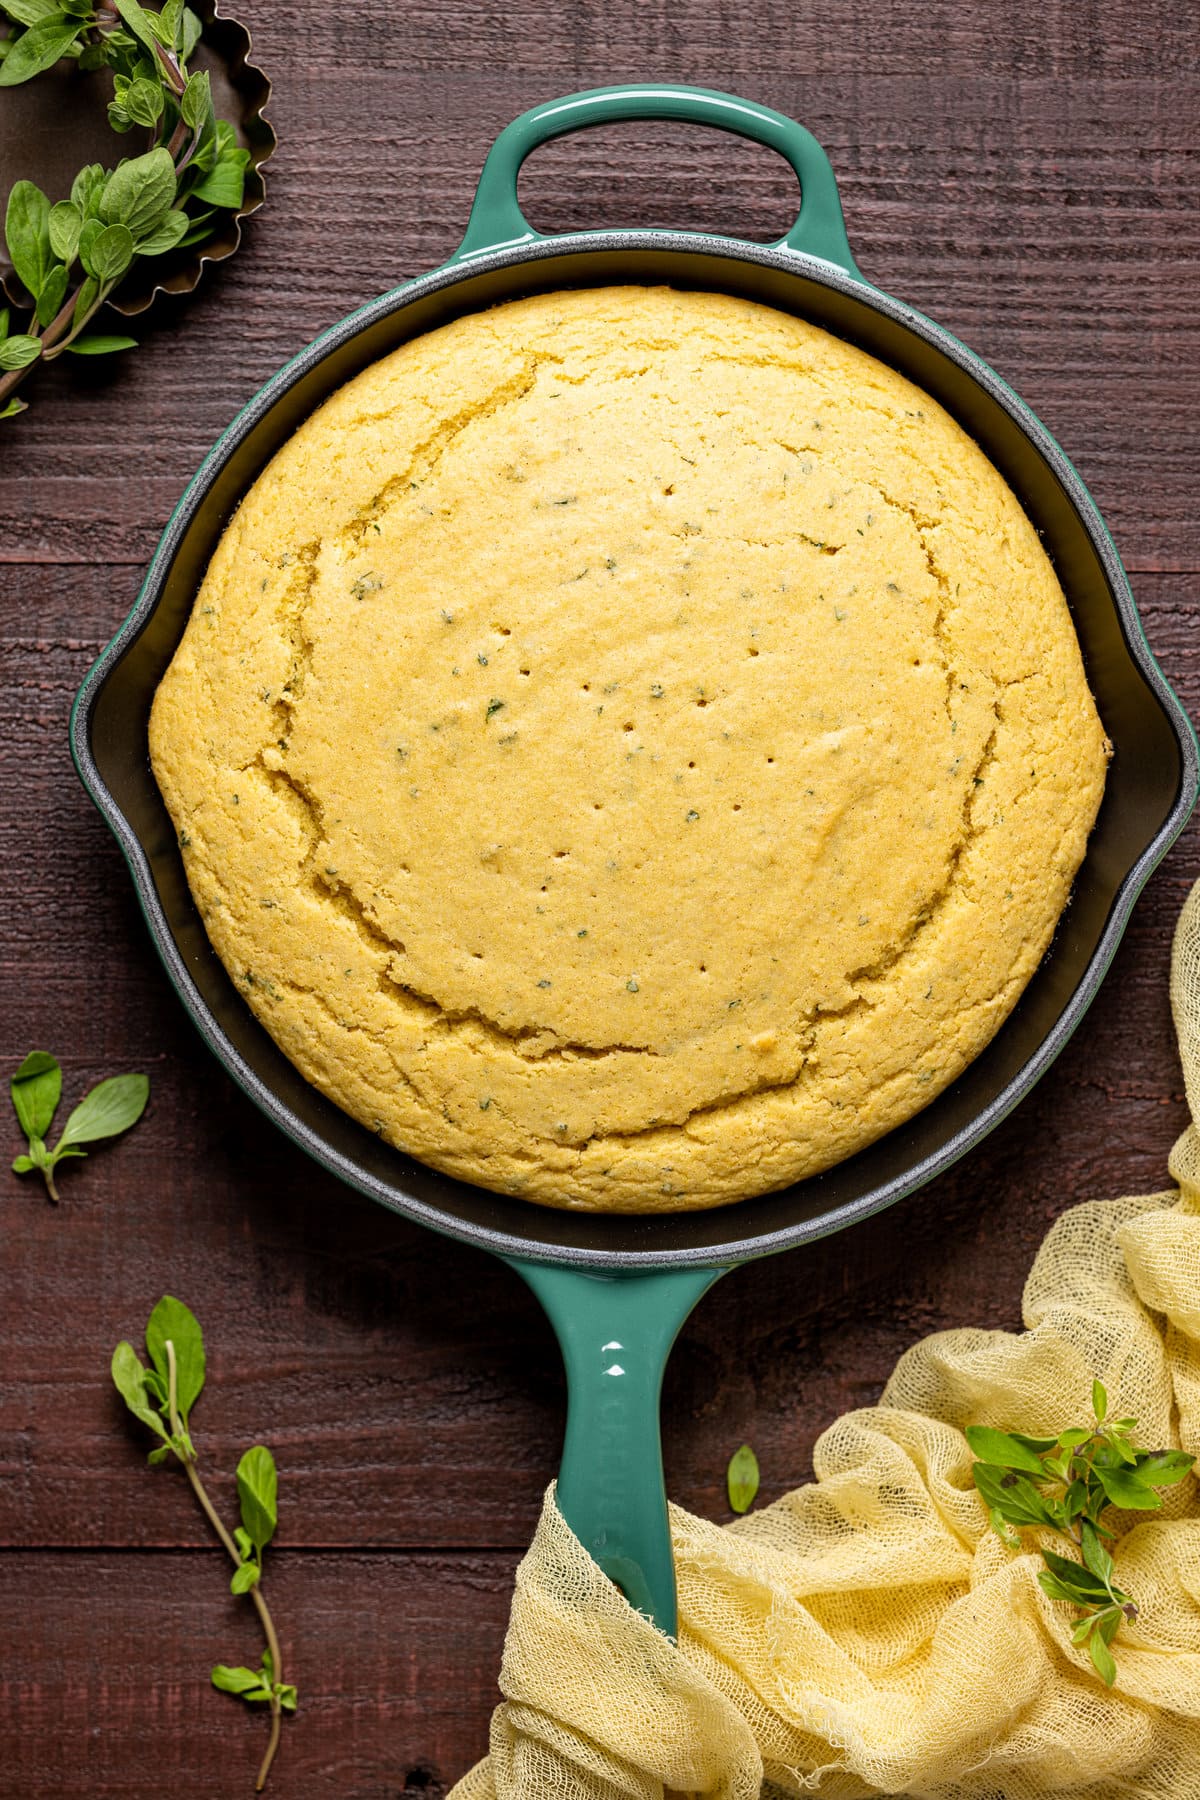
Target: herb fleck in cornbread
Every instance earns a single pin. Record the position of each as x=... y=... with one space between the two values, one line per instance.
x=630 y=749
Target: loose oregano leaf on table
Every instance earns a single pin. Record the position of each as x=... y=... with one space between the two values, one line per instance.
x=741 y=1479
x=111 y=1108
x=173 y=1323
x=254 y=1684
x=162 y=1397
x=256 y=1483
x=36 y=1091
x=1065 y=1484
x=70 y=256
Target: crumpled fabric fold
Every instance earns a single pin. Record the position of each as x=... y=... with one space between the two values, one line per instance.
x=868 y=1634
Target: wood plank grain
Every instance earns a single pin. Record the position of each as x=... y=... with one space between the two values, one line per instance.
x=1025 y=174
x=395 y=1658
x=1050 y=226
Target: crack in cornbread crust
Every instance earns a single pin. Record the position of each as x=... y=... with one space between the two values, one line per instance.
x=630 y=749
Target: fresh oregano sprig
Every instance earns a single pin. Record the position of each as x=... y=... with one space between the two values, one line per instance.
x=110 y=1108
x=71 y=255
x=162 y=1397
x=1067 y=1483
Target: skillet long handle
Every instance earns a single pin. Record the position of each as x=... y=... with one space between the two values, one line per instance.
x=616 y=1332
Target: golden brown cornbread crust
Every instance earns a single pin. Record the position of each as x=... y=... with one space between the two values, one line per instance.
x=630 y=749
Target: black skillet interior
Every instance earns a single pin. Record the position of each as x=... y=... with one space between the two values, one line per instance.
x=1151 y=785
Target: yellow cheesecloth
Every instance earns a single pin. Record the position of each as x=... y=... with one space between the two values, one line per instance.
x=868 y=1634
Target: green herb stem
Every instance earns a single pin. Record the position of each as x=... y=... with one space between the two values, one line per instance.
x=55 y=337
x=61 y=342
x=177 y=81
x=188 y=1458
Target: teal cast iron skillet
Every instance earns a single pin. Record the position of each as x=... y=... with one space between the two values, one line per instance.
x=617 y=1288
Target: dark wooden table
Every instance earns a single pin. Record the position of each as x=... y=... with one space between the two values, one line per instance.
x=1026 y=173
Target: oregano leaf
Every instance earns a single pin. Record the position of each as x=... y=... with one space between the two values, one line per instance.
x=742 y=1479
x=1075 y=1576
x=36 y=1088
x=235 y=1680
x=137 y=22
x=166 y=234
x=38 y=49
x=1057 y=1590
x=257 y=1484
x=1095 y=1555
x=100 y=343
x=1110 y=1623
x=111 y=1107
x=129 y=1378
x=225 y=184
x=19 y=350
x=87 y=188
x=1002 y=1449
x=1123 y=1489
x=54 y=292
x=1103 y=1659
x=139 y=191
x=190 y=28
x=170 y=20
x=31 y=12
x=195 y=102
x=1163 y=1468
x=144 y=101
x=65 y=223
x=109 y=253
x=27 y=230
x=1013 y=1495
x=172 y=1320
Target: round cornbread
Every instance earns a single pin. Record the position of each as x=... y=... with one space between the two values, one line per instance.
x=630 y=749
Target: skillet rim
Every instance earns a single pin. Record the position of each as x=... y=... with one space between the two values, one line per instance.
x=528 y=1246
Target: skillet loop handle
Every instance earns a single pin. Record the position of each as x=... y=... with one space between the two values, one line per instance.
x=497 y=220
x=615 y=1333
